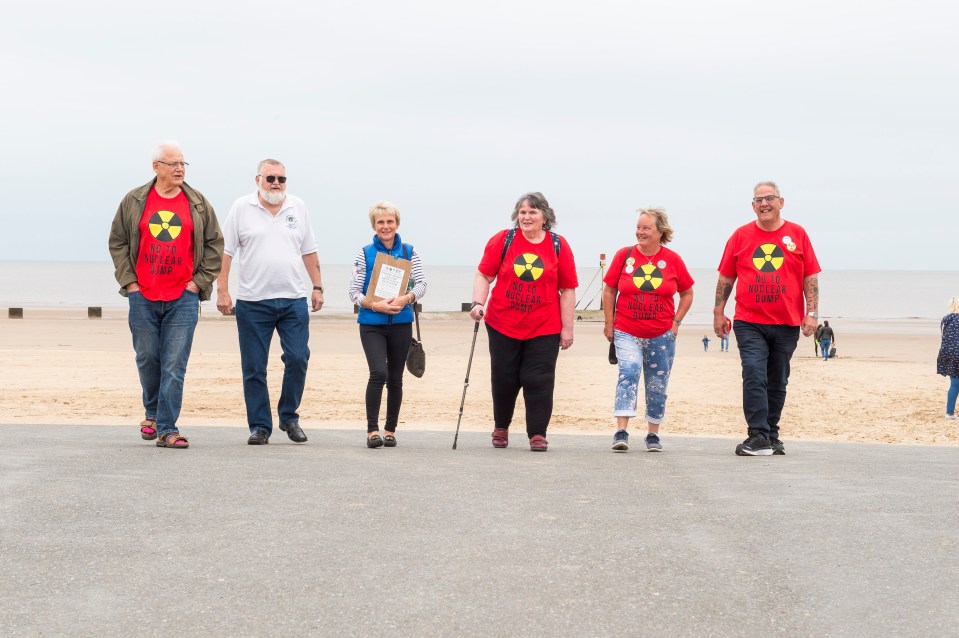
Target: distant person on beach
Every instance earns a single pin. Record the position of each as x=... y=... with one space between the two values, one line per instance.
x=167 y=249
x=643 y=319
x=724 y=339
x=705 y=343
x=815 y=338
x=947 y=364
x=529 y=315
x=270 y=236
x=826 y=339
x=386 y=325
x=774 y=267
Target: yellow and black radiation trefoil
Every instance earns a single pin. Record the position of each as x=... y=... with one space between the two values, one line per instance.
x=648 y=278
x=528 y=267
x=165 y=225
x=768 y=258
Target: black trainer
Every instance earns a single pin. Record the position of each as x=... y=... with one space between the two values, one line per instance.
x=756 y=445
x=778 y=447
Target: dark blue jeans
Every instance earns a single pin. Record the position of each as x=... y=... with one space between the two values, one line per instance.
x=162 y=339
x=765 y=351
x=255 y=323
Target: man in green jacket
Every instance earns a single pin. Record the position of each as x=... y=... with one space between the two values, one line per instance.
x=167 y=249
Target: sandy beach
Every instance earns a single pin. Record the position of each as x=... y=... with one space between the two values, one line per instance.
x=61 y=368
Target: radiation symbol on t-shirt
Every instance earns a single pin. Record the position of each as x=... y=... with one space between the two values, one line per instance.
x=528 y=267
x=165 y=225
x=768 y=258
x=648 y=278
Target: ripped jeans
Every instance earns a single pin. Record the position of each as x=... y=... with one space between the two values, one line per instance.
x=654 y=358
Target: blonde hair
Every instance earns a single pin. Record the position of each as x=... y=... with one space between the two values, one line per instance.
x=662 y=223
x=953 y=306
x=383 y=208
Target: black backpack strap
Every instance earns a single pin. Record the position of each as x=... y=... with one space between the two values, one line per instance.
x=510 y=234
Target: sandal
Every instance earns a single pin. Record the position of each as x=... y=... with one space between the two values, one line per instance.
x=374 y=441
x=389 y=440
x=148 y=429
x=174 y=440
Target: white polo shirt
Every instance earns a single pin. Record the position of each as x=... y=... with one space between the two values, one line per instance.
x=267 y=249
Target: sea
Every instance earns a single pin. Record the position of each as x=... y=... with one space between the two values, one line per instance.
x=853 y=295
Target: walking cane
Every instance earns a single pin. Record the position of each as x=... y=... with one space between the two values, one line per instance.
x=466 y=384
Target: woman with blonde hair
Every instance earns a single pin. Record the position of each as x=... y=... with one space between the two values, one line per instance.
x=643 y=319
x=386 y=326
x=947 y=364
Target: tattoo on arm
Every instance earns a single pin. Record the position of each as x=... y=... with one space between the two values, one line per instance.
x=811 y=290
x=723 y=290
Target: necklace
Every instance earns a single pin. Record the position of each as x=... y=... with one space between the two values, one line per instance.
x=649 y=260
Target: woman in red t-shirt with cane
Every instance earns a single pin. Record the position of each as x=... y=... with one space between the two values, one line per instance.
x=529 y=315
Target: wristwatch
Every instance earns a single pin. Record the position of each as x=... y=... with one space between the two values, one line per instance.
x=320 y=288
x=814 y=315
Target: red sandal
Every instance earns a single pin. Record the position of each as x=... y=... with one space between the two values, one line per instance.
x=148 y=429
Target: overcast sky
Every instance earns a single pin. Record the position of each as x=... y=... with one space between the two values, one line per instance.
x=452 y=110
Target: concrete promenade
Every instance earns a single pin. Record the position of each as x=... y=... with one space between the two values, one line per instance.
x=102 y=534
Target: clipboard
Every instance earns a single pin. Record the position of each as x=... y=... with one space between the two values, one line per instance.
x=389 y=278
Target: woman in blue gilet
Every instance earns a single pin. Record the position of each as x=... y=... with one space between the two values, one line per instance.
x=386 y=326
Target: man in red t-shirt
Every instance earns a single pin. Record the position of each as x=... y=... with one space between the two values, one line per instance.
x=775 y=270
x=167 y=248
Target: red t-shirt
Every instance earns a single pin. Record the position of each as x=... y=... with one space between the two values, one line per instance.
x=645 y=304
x=524 y=302
x=165 y=261
x=769 y=268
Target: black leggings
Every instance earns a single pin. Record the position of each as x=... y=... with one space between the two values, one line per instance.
x=386 y=347
x=529 y=364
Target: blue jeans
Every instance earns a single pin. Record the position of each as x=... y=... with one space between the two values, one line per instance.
x=255 y=323
x=162 y=339
x=765 y=351
x=654 y=358
x=824 y=346
x=952 y=395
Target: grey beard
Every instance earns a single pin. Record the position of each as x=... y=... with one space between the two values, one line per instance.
x=272 y=197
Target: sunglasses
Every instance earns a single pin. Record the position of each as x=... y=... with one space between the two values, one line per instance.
x=274 y=178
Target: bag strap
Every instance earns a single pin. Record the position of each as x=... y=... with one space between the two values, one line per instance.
x=416 y=314
x=622 y=270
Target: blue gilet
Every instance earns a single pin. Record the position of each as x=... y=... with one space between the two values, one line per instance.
x=399 y=251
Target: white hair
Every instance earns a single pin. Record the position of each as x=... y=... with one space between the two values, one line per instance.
x=271 y=162
x=157 y=153
x=772 y=185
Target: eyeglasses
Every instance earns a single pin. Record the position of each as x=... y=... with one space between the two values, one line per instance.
x=274 y=178
x=174 y=164
x=765 y=198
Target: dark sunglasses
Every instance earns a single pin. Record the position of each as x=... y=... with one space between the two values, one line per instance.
x=273 y=178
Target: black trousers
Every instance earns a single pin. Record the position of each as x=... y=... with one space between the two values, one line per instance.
x=386 y=348
x=529 y=364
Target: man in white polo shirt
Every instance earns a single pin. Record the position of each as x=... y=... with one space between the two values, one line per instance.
x=269 y=234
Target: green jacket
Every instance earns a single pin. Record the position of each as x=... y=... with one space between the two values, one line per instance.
x=207 y=238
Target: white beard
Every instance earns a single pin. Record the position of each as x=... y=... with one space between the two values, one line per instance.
x=272 y=197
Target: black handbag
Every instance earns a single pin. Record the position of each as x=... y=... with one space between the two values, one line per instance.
x=416 y=357
x=612 y=354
